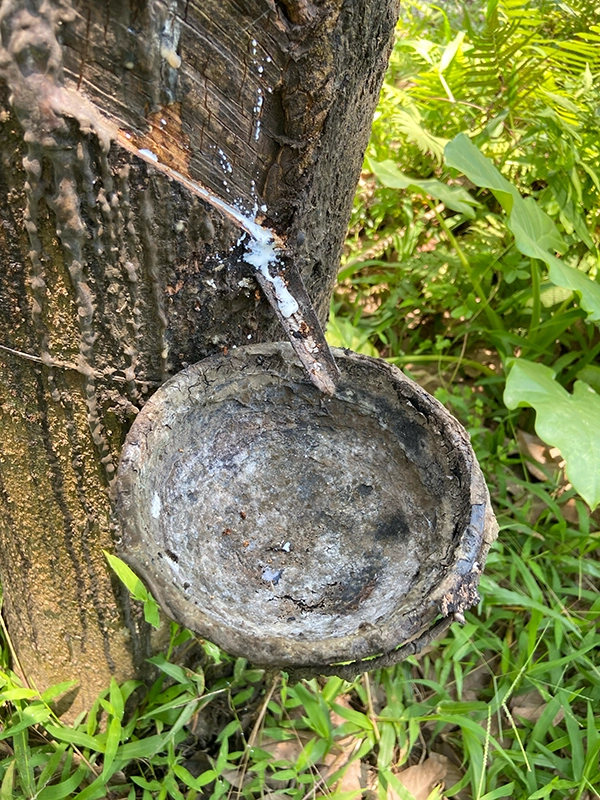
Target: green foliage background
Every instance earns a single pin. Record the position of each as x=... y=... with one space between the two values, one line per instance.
x=476 y=225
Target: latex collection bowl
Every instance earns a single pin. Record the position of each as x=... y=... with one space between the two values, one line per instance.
x=300 y=530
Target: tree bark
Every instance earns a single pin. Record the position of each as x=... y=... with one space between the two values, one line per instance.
x=115 y=276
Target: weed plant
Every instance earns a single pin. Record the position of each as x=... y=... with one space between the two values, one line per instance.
x=438 y=278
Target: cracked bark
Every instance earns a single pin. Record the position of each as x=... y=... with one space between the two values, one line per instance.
x=114 y=277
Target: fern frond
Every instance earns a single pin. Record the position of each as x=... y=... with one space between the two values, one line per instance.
x=409 y=122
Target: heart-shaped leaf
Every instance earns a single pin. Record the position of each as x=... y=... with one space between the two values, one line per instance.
x=570 y=422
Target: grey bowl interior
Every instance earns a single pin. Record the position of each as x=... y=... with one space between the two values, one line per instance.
x=299 y=529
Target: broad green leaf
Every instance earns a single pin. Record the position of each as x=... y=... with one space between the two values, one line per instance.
x=532 y=384
x=567 y=277
x=464 y=156
x=75 y=737
x=450 y=51
x=591 y=375
x=143 y=748
x=113 y=739
x=22 y=750
x=116 y=699
x=32 y=715
x=66 y=788
x=57 y=690
x=531 y=221
x=534 y=234
x=454 y=197
x=342 y=333
x=6 y=790
x=151 y=612
x=570 y=422
x=533 y=229
x=127 y=576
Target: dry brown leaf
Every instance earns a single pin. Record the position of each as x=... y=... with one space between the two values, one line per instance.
x=342 y=753
x=530 y=707
x=336 y=759
x=421 y=779
x=288 y=750
x=542 y=461
x=454 y=773
x=351 y=779
x=344 y=701
x=477 y=680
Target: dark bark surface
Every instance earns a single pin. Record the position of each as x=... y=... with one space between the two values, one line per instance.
x=114 y=277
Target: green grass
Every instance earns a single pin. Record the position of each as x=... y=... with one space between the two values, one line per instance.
x=507 y=705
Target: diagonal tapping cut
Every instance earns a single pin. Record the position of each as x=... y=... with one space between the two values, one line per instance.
x=277 y=276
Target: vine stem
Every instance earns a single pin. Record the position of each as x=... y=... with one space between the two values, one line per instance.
x=535 y=292
x=467 y=362
x=493 y=318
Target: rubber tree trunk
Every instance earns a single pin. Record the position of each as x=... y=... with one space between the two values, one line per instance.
x=114 y=276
